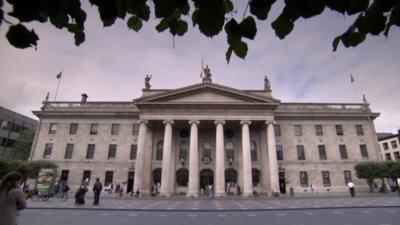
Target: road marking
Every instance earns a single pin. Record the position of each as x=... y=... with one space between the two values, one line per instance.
x=76 y=213
x=310 y=213
x=46 y=213
x=192 y=215
x=132 y=214
x=281 y=214
x=251 y=215
x=162 y=215
x=365 y=212
x=391 y=211
x=337 y=212
x=222 y=215
x=103 y=214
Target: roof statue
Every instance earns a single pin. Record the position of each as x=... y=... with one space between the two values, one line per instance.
x=206 y=75
x=267 y=84
x=365 y=99
x=147 y=82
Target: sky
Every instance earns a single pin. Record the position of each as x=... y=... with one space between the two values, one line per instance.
x=113 y=61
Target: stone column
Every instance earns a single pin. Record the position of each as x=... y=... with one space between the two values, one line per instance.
x=166 y=163
x=247 y=177
x=194 y=176
x=273 y=162
x=139 y=164
x=219 y=177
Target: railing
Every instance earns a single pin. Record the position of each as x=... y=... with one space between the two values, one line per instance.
x=324 y=106
x=77 y=106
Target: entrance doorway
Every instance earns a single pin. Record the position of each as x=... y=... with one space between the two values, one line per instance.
x=206 y=178
x=131 y=178
x=282 y=184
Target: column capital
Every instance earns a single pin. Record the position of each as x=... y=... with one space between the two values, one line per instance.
x=273 y=122
x=243 y=122
x=168 y=121
x=219 y=122
x=197 y=122
x=144 y=122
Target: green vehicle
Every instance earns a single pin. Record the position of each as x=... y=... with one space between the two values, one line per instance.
x=45 y=184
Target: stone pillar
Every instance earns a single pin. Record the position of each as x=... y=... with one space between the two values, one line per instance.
x=247 y=177
x=272 y=160
x=194 y=176
x=219 y=177
x=166 y=163
x=139 y=164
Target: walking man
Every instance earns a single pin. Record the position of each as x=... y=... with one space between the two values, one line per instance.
x=351 y=188
x=97 y=187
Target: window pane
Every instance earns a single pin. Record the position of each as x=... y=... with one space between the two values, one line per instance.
x=159 y=150
x=182 y=177
x=207 y=150
x=388 y=156
x=279 y=152
x=183 y=150
x=347 y=176
x=364 y=152
x=93 y=128
x=114 y=129
x=339 y=130
x=47 y=150
x=86 y=177
x=322 y=152
x=229 y=151
x=109 y=178
x=343 y=151
x=68 y=151
x=303 y=179
x=394 y=144
x=277 y=129
x=112 y=151
x=359 y=130
x=326 y=178
x=73 y=128
x=135 y=129
x=53 y=128
x=318 y=130
x=253 y=151
x=297 y=130
x=300 y=152
x=90 y=151
x=133 y=152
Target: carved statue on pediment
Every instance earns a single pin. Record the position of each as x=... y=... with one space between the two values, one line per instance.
x=206 y=75
x=147 y=82
x=267 y=84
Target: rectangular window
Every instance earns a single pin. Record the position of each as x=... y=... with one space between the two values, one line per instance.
x=297 y=130
x=326 y=180
x=114 y=129
x=73 y=128
x=133 y=152
x=347 y=176
x=359 y=130
x=135 y=129
x=4 y=124
x=394 y=144
x=396 y=155
x=90 y=151
x=385 y=146
x=303 y=179
x=364 y=152
x=339 y=130
x=318 y=130
x=322 y=152
x=68 y=151
x=53 y=128
x=93 y=128
x=112 y=151
x=64 y=175
x=300 y=152
x=279 y=152
x=343 y=152
x=109 y=178
x=388 y=156
x=277 y=130
x=86 y=177
x=47 y=150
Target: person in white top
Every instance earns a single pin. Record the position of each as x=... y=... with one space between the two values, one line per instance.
x=351 y=188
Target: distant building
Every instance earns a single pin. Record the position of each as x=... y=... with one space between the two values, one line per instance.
x=185 y=140
x=390 y=146
x=11 y=125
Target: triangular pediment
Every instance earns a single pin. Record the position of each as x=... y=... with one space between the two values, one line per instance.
x=205 y=93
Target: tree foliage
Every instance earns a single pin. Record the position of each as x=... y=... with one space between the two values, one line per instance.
x=372 y=170
x=7 y=166
x=210 y=16
x=23 y=144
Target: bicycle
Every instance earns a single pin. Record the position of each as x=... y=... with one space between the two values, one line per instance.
x=40 y=196
x=62 y=195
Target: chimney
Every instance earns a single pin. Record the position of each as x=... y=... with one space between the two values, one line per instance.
x=84 y=98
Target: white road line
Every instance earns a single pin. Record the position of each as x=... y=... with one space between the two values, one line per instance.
x=132 y=214
x=251 y=215
x=162 y=215
x=192 y=215
x=76 y=213
x=365 y=212
x=103 y=214
x=310 y=213
x=46 y=213
x=337 y=212
x=222 y=215
x=281 y=214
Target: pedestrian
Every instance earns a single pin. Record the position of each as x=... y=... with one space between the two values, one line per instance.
x=11 y=198
x=80 y=195
x=351 y=188
x=238 y=190
x=312 y=188
x=97 y=187
x=121 y=190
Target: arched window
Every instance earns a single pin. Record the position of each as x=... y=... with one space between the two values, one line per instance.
x=182 y=177
x=157 y=176
x=253 y=151
x=159 y=150
x=230 y=176
x=255 y=173
x=229 y=151
x=183 y=150
x=206 y=150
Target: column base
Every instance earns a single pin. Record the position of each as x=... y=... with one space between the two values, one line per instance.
x=165 y=194
x=192 y=195
x=247 y=194
x=220 y=195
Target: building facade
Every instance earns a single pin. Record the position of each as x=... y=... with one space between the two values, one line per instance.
x=185 y=140
x=390 y=146
x=11 y=125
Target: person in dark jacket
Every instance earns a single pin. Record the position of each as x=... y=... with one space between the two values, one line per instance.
x=97 y=187
x=80 y=195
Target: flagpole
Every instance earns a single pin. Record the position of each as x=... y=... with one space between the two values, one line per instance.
x=59 y=77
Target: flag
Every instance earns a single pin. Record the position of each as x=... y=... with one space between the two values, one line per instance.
x=351 y=78
x=59 y=75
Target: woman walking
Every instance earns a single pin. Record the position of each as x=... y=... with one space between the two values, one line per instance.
x=11 y=198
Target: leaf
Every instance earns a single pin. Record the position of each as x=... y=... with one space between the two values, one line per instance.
x=134 y=23
x=352 y=39
x=282 y=27
x=228 y=5
x=79 y=38
x=394 y=18
x=241 y=49
x=356 y=6
x=376 y=21
x=167 y=8
x=228 y=54
x=248 y=28
x=337 y=5
x=25 y=11
x=60 y=21
x=210 y=21
x=335 y=43
x=181 y=27
x=163 y=25
x=20 y=37
x=261 y=8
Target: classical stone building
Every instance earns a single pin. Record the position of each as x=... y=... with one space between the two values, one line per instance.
x=182 y=141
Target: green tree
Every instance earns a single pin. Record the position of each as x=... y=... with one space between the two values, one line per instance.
x=369 y=171
x=7 y=166
x=374 y=17
x=393 y=172
x=22 y=146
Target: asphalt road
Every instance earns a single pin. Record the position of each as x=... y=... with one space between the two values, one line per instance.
x=334 y=216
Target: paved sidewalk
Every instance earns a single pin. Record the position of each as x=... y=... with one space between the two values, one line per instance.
x=235 y=203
